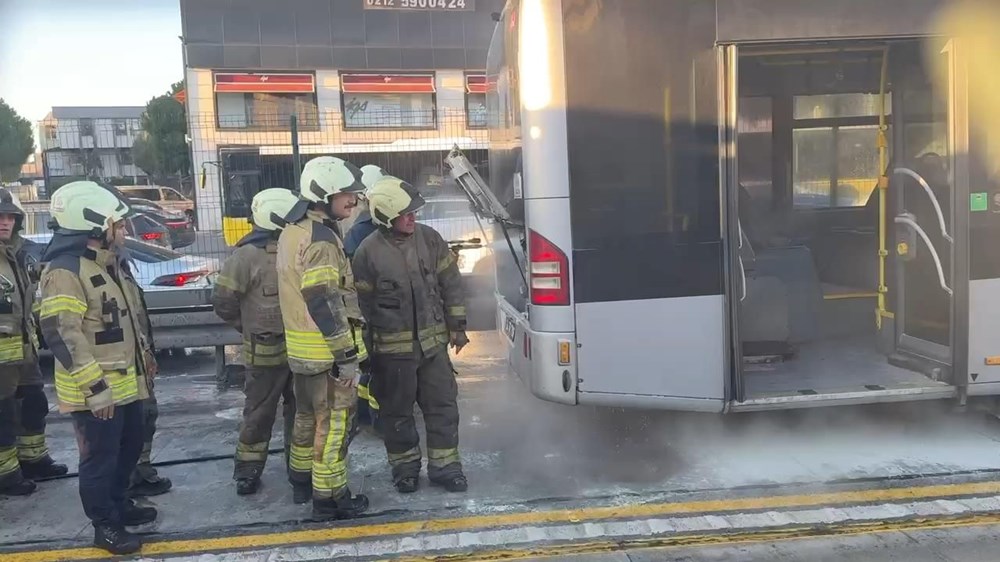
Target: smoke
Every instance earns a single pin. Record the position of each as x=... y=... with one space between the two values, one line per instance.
x=583 y=452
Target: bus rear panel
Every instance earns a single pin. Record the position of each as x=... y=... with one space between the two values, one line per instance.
x=708 y=210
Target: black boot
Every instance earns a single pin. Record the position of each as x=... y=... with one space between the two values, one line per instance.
x=457 y=483
x=247 y=486
x=18 y=487
x=347 y=506
x=43 y=468
x=407 y=485
x=133 y=515
x=116 y=540
x=150 y=487
x=301 y=493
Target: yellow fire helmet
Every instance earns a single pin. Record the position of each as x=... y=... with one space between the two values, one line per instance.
x=85 y=206
x=390 y=198
x=326 y=176
x=270 y=208
x=371 y=174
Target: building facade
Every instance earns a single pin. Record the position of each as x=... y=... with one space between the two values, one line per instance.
x=79 y=142
x=394 y=82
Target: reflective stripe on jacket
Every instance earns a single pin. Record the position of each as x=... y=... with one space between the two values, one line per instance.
x=318 y=302
x=18 y=339
x=246 y=296
x=410 y=290
x=92 y=320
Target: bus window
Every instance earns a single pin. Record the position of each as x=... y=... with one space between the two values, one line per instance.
x=834 y=149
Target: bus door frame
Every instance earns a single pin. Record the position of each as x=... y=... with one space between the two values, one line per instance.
x=735 y=278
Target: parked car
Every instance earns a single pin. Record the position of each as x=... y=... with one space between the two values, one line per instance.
x=140 y=225
x=156 y=268
x=167 y=197
x=179 y=227
x=454 y=220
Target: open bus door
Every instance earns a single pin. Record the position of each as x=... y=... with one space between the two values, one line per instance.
x=914 y=226
x=931 y=223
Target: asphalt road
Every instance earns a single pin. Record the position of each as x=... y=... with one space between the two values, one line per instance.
x=541 y=474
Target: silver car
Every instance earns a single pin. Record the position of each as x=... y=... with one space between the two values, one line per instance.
x=155 y=268
x=454 y=220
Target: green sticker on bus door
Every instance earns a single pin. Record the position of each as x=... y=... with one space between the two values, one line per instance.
x=978 y=202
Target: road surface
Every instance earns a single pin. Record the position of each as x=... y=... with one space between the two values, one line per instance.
x=544 y=476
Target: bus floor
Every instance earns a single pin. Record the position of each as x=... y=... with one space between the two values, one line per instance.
x=830 y=367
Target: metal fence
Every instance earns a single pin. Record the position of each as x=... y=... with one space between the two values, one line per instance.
x=227 y=160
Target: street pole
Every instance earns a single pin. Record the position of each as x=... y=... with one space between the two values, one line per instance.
x=296 y=158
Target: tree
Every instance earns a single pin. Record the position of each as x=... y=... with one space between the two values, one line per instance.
x=16 y=142
x=161 y=150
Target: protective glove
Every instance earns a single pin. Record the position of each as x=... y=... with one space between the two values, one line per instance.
x=458 y=341
x=348 y=375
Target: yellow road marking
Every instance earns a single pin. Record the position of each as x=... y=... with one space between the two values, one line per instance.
x=713 y=539
x=479 y=522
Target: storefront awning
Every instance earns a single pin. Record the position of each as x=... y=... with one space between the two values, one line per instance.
x=403 y=145
x=271 y=83
x=475 y=83
x=387 y=83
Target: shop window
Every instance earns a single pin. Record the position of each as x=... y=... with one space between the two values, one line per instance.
x=266 y=101
x=475 y=101
x=388 y=101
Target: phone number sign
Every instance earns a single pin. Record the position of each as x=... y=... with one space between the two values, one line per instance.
x=440 y=5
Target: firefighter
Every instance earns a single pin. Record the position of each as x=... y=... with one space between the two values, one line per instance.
x=145 y=480
x=246 y=296
x=362 y=227
x=89 y=319
x=23 y=406
x=411 y=294
x=323 y=330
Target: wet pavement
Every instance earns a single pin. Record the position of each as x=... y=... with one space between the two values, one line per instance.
x=523 y=455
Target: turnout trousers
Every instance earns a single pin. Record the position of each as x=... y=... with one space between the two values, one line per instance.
x=33 y=408
x=324 y=417
x=428 y=381
x=265 y=387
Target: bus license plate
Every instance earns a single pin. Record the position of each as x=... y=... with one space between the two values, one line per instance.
x=509 y=327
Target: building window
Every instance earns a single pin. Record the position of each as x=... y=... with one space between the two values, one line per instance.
x=388 y=101
x=86 y=127
x=121 y=127
x=835 y=150
x=475 y=101
x=125 y=157
x=266 y=101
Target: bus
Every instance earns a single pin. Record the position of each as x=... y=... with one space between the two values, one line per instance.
x=742 y=205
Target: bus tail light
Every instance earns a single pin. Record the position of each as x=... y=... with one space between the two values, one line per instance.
x=549 y=272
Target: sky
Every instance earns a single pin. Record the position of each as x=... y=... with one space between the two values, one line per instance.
x=87 y=52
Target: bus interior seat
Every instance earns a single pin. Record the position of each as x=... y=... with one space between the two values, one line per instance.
x=783 y=296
